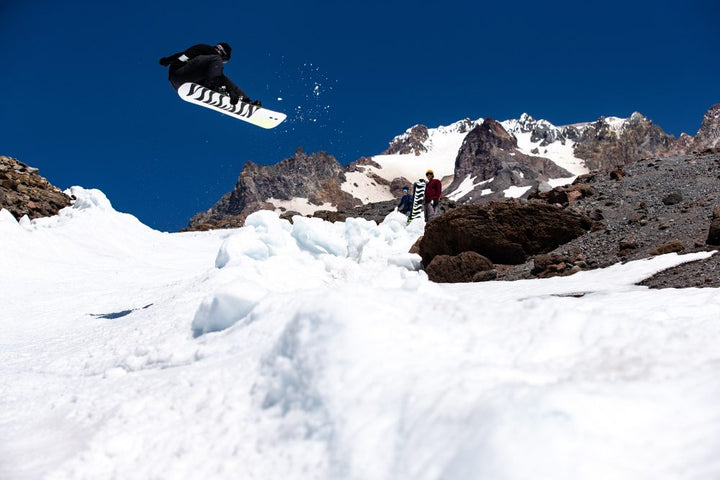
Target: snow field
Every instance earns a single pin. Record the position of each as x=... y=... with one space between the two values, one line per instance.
x=318 y=350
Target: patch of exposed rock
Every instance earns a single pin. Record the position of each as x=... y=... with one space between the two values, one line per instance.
x=375 y=212
x=411 y=142
x=24 y=192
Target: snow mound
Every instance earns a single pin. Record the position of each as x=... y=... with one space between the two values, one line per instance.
x=226 y=307
x=86 y=199
x=271 y=253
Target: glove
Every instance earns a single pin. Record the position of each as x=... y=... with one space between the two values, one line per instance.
x=165 y=61
x=234 y=98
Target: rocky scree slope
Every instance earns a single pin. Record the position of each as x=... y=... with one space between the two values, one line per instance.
x=650 y=207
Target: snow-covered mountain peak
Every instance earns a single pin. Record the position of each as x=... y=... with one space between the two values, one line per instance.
x=419 y=138
x=542 y=138
x=462 y=126
x=526 y=123
x=615 y=123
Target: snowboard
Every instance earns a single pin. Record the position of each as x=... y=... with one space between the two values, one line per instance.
x=203 y=96
x=418 y=197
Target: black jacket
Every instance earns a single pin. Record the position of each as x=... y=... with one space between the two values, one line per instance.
x=200 y=74
x=177 y=60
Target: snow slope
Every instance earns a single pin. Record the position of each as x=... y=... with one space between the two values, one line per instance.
x=318 y=350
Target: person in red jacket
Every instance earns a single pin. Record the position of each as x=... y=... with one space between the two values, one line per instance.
x=433 y=190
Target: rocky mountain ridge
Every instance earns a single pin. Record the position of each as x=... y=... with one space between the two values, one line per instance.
x=490 y=156
x=488 y=160
x=316 y=178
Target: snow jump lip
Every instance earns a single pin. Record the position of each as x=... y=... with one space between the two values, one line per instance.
x=199 y=95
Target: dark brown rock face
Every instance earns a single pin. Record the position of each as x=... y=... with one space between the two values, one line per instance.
x=477 y=154
x=460 y=268
x=504 y=232
x=316 y=177
x=24 y=192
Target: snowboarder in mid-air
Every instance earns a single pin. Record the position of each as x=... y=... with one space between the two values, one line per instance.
x=203 y=64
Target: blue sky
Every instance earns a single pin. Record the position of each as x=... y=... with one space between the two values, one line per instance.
x=86 y=101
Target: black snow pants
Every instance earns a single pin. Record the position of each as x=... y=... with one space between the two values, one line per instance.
x=206 y=70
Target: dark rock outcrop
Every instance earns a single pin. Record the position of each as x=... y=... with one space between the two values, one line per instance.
x=24 y=192
x=505 y=232
x=464 y=267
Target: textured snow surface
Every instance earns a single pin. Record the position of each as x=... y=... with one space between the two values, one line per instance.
x=318 y=350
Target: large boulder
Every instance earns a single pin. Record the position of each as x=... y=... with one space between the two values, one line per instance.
x=506 y=232
x=460 y=268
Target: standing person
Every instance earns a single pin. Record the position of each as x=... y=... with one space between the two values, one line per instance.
x=406 y=203
x=432 y=194
x=203 y=64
